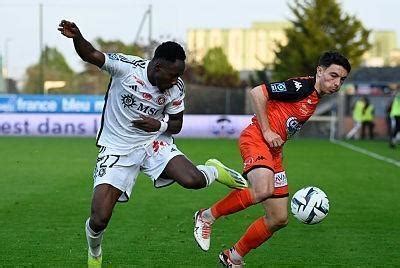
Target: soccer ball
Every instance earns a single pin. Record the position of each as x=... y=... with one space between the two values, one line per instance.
x=310 y=205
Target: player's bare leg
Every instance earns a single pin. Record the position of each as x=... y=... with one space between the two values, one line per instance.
x=104 y=199
x=186 y=174
x=261 y=187
x=183 y=171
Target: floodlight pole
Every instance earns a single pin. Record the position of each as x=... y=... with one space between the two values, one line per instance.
x=148 y=14
x=150 y=24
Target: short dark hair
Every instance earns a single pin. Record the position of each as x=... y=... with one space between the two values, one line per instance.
x=334 y=57
x=170 y=51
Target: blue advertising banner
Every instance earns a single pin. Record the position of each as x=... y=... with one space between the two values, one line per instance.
x=57 y=124
x=51 y=104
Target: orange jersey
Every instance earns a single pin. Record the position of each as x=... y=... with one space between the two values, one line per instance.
x=290 y=104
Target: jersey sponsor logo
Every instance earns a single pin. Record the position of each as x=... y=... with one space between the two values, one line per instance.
x=161 y=100
x=292 y=126
x=128 y=100
x=309 y=101
x=297 y=85
x=146 y=109
x=280 y=179
x=147 y=96
x=278 y=87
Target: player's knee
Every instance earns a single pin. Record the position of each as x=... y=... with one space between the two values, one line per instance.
x=282 y=222
x=262 y=193
x=194 y=179
x=279 y=221
x=98 y=222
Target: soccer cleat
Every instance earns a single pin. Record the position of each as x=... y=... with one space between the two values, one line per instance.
x=227 y=176
x=226 y=262
x=94 y=262
x=202 y=230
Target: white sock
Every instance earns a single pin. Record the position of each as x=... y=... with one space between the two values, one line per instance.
x=208 y=216
x=234 y=256
x=93 y=240
x=210 y=173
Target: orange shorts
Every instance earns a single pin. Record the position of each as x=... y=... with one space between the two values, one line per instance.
x=256 y=153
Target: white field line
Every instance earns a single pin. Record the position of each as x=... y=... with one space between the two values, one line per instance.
x=366 y=152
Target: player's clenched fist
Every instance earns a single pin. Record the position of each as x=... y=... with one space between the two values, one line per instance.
x=273 y=139
x=69 y=29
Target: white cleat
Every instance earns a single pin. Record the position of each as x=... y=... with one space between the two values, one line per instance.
x=202 y=230
x=225 y=261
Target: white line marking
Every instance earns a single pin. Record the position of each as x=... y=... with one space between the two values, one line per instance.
x=369 y=153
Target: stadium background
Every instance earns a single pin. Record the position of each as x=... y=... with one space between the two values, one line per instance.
x=47 y=152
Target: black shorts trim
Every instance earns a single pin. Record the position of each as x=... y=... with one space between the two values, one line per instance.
x=280 y=196
x=126 y=196
x=162 y=186
x=254 y=167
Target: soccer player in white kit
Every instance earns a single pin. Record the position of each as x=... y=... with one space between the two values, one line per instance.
x=144 y=107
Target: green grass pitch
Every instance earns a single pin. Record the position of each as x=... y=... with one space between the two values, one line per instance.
x=46 y=189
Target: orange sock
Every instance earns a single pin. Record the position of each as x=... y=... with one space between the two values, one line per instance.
x=256 y=234
x=235 y=201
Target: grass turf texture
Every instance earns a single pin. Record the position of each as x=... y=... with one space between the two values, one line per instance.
x=46 y=191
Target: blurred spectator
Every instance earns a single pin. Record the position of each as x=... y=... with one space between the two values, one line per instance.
x=388 y=118
x=357 y=117
x=395 y=116
x=367 y=119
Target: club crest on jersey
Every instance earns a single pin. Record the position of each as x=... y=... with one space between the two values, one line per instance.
x=278 y=87
x=161 y=100
x=248 y=161
x=297 y=85
x=292 y=126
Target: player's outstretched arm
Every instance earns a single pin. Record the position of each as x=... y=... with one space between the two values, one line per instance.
x=83 y=47
x=259 y=104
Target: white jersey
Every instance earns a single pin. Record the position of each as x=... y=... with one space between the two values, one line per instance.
x=130 y=94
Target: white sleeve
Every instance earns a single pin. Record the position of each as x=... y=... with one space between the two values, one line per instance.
x=114 y=65
x=177 y=104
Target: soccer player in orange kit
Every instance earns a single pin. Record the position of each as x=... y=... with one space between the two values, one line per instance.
x=280 y=110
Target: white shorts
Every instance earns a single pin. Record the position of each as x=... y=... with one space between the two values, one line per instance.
x=121 y=171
